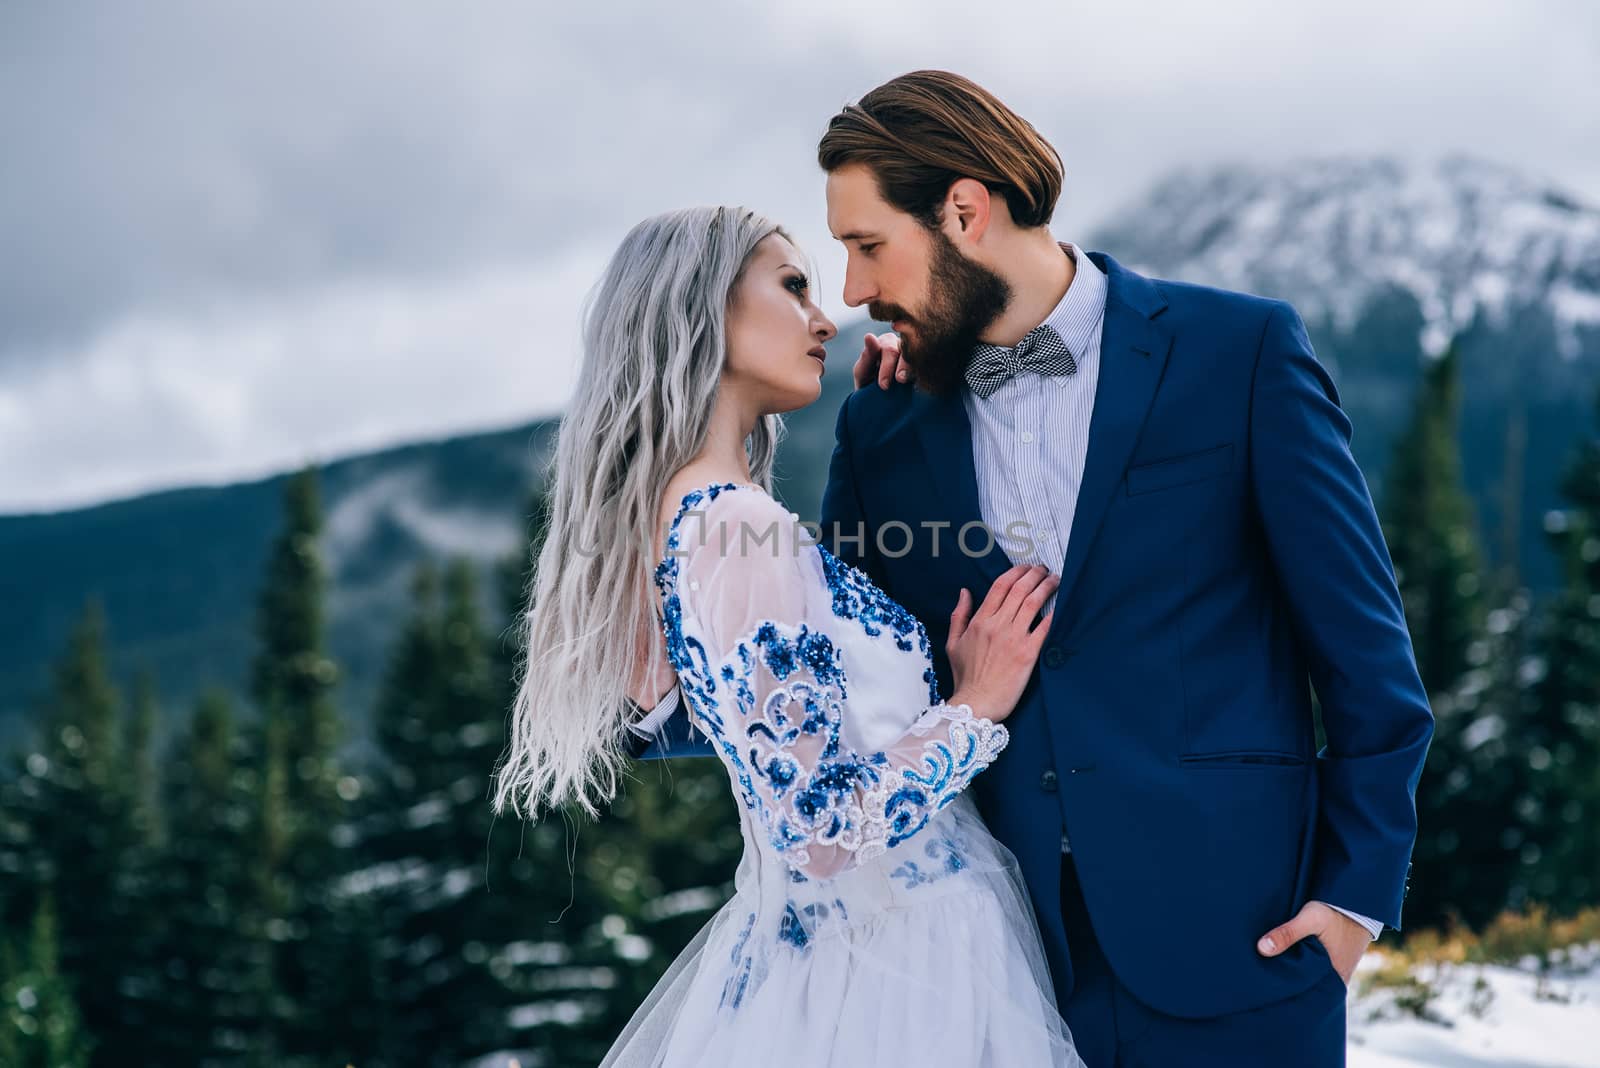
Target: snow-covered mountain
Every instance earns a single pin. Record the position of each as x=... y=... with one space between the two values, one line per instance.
x=1463 y=236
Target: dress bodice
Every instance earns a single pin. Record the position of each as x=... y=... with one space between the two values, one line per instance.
x=816 y=688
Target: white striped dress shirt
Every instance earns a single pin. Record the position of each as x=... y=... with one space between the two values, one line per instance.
x=1031 y=435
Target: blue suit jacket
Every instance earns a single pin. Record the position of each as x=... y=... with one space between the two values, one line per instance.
x=1224 y=558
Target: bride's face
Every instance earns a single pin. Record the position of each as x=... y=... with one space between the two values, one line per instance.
x=775 y=331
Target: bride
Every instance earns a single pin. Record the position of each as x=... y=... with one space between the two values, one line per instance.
x=874 y=919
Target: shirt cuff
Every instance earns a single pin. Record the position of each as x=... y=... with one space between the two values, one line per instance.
x=651 y=725
x=1374 y=927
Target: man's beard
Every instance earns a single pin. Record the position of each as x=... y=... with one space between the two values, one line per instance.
x=964 y=298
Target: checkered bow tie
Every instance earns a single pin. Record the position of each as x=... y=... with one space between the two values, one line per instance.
x=1042 y=351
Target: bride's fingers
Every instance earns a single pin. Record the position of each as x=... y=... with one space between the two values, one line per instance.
x=1042 y=627
x=1041 y=593
x=959 y=617
x=1042 y=631
x=867 y=361
x=894 y=355
x=889 y=369
x=996 y=597
x=1026 y=583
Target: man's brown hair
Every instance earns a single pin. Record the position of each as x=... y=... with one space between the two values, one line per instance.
x=924 y=130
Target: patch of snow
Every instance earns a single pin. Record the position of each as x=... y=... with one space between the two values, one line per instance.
x=1483 y=1015
x=526 y=953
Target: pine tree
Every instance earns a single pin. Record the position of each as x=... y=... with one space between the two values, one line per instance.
x=1431 y=533
x=1562 y=733
x=659 y=862
x=550 y=925
x=39 y=1022
x=144 y=785
x=292 y=676
x=79 y=840
x=1473 y=806
x=139 y=904
x=457 y=909
x=377 y=892
x=210 y=958
x=294 y=746
x=1428 y=525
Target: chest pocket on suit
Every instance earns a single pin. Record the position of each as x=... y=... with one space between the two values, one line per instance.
x=1180 y=470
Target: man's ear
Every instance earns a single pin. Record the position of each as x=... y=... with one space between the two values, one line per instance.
x=966 y=210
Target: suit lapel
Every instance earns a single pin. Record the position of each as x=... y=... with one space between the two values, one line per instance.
x=1133 y=355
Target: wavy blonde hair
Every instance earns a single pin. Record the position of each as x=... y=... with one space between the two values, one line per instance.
x=654 y=345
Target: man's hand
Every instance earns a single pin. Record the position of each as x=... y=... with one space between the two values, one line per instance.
x=880 y=353
x=1343 y=938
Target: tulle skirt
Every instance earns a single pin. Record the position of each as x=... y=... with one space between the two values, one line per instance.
x=928 y=955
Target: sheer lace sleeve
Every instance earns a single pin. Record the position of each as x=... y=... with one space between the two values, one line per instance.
x=757 y=628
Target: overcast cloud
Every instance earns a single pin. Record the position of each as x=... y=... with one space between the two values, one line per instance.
x=238 y=237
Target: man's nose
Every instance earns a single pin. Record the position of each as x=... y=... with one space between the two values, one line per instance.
x=858 y=290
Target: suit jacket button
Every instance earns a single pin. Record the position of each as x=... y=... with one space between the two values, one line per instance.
x=1047 y=781
x=1054 y=657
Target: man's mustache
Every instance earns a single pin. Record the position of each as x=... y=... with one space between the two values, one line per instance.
x=887 y=313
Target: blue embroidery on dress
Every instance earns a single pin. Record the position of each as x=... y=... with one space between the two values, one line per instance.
x=791 y=930
x=942 y=850
x=822 y=807
x=801 y=928
x=740 y=977
x=855 y=596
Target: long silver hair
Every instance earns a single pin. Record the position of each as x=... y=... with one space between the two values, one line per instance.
x=654 y=345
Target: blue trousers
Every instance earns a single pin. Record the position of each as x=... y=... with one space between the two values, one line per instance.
x=1113 y=1029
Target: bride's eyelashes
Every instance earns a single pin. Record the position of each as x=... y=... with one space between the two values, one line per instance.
x=798 y=284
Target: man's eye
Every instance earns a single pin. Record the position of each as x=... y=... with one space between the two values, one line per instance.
x=868 y=248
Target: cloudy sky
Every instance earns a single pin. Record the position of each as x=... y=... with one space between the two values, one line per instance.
x=237 y=237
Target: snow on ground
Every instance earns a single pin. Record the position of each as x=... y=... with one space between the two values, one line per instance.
x=1483 y=1016
x=1513 y=1018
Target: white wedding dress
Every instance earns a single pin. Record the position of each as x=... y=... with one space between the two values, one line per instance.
x=875 y=920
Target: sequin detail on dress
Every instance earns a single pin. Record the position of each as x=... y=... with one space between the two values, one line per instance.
x=863 y=803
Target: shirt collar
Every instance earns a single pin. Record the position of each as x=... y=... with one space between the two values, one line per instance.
x=1083 y=305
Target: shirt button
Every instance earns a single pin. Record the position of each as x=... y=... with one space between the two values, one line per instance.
x=1027 y=437
x=694 y=585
